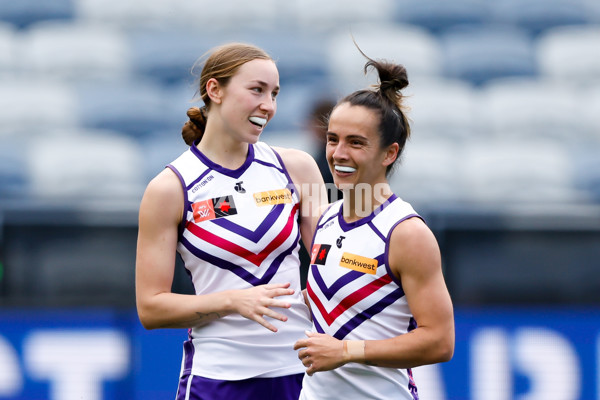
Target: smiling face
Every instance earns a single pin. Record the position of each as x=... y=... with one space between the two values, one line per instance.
x=248 y=101
x=354 y=150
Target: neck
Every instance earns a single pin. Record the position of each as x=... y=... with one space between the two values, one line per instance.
x=228 y=153
x=360 y=202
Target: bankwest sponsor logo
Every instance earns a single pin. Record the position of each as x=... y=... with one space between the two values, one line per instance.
x=272 y=197
x=213 y=208
x=359 y=263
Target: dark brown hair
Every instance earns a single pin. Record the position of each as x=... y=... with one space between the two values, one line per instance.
x=222 y=63
x=385 y=98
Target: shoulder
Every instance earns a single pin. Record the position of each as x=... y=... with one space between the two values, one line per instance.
x=301 y=166
x=164 y=193
x=294 y=158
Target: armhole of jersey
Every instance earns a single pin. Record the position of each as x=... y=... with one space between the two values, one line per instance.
x=291 y=185
x=387 y=248
x=186 y=201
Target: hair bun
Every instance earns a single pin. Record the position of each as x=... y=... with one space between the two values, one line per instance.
x=194 y=128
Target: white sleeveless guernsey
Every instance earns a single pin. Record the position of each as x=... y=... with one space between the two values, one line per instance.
x=241 y=230
x=354 y=295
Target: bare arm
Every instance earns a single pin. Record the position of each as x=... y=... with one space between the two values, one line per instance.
x=161 y=211
x=308 y=181
x=414 y=258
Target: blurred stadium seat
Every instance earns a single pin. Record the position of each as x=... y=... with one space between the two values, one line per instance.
x=506 y=172
x=85 y=165
x=414 y=47
x=324 y=16
x=159 y=149
x=123 y=13
x=132 y=107
x=521 y=108
x=570 y=54
x=14 y=176
x=35 y=106
x=441 y=108
x=24 y=13
x=8 y=50
x=74 y=52
x=167 y=56
x=478 y=54
x=536 y=16
x=429 y=172
x=438 y=16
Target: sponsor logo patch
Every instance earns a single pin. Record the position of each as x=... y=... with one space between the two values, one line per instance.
x=273 y=197
x=359 y=263
x=214 y=208
x=319 y=253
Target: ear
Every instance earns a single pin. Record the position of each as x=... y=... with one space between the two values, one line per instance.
x=214 y=91
x=391 y=154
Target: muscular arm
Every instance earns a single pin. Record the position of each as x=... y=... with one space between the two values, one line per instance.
x=161 y=211
x=308 y=181
x=414 y=258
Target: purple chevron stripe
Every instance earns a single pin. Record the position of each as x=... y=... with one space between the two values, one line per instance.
x=259 y=232
x=368 y=313
x=236 y=269
x=330 y=291
x=317 y=325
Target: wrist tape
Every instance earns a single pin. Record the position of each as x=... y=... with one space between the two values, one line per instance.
x=354 y=350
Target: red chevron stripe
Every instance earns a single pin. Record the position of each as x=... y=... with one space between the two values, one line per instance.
x=238 y=250
x=350 y=300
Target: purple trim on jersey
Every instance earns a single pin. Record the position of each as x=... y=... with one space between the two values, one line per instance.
x=271 y=165
x=387 y=249
x=188 y=354
x=259 y=232
x=412 y=386
x=208 y=171
x=377 y=231
x=186 y=201
x=285 y=171
x=321 y=224
x=368 y=313
x=412 y=324
x=281 y=388
x=346 y=226
x=233 y=173
x=240 y=271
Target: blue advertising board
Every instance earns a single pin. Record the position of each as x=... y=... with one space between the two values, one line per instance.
x=94 y=354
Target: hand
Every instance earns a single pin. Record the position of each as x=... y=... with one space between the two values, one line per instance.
x=255 y=303
x=320 y=352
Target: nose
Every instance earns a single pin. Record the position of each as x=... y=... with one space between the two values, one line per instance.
x=268 y=105
x=338 y=152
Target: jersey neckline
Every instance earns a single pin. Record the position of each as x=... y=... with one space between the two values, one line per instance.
x=233 y=173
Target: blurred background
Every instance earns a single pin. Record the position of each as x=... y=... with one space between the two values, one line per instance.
x=503 y=163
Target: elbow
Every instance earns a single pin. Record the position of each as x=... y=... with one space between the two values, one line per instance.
x=145 y=317
x=445 y=350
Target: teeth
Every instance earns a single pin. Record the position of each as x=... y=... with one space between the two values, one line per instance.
x=342 y=168
x=258 y=121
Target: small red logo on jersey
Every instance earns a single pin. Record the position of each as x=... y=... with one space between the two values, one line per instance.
x=213 y=208
x=319 y=253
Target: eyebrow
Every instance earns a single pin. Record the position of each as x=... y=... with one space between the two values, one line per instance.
x=263 y=83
